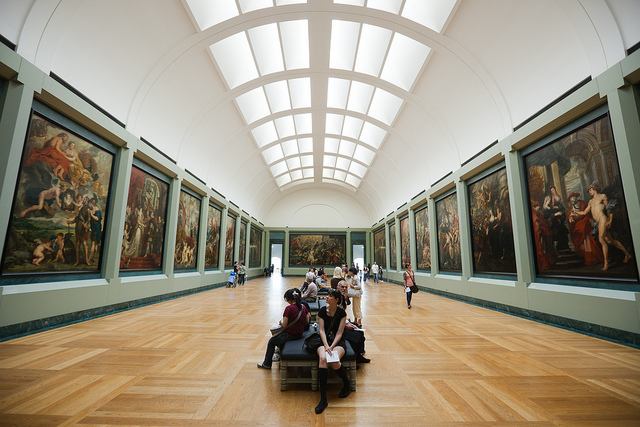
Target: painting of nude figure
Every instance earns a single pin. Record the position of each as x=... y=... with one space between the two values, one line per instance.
x=423 y=242
x=60 y=203
x=379 y=249
x=449 y=256
x=212 y=250
x=393 y=263
x=255 y=247
x=186 y=250
x=229 y=248
x=404 y=241
x=579 y=220
x=144 y=222
x=307 y=250
x=243 y=242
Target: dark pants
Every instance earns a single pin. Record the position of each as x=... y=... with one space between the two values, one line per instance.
x=276 y=340
x=356 y=339
x=241 y=279
x=409 y=295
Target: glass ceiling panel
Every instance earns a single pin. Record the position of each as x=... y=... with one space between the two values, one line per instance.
x=300 y=92
x=343 y=163
x=432 y=14
x=357 y=169
x=285 y=2
x=266 y=48
x=346 y=148
x=359 y=97
x=372 y=135
x=285 y=127
x=404 y=61
x=295 y=41
x=364 y=155
x=283 y=180
x=331 y=145
x=391 y=6
x=294 y=163
x=344 y=41
x=352 y=180
x=290 y=147
x=306 y=161
x=329 y=161
x=249 y=5
x=352 y=127
x=208 y=14
x=253 y=105
x=296 y=174
x=303 y=123
x=372 y=49
x=337 y=93
x=385 y=106
x=278 y=96
x=279 y=168
x=305 y=145
x=235 y=60
x=307 y=173
x=339 y=175
x=327 y=173
x=264 y=134
x=273 y=154
x=351 y=2
x=334 y=124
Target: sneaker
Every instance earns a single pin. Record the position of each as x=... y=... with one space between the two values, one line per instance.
x=263 y=366
x=275 y=358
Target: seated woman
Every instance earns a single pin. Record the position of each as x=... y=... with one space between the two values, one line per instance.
x=331 y=321
x=295 y=320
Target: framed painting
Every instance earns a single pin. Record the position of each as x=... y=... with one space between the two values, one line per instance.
x=578 y=214
x=307 y=250
x=255 y=247
x=229 y=249
x=405 y=249
x=393 y=262
x=212 y=249
x=449 y=256
x=491 y=229
x=379 y=248
x=144 y=220
x=60 y=205
x=186 y=251
x=243 y=243
x=423 y=242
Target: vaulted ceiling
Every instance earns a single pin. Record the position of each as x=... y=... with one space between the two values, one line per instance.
x=346 y=108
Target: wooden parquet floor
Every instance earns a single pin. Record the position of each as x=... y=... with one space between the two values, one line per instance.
x=192 y=362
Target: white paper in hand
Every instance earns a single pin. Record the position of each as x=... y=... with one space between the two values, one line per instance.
x=333 y=357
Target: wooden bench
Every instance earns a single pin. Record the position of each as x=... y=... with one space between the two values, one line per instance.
x=293 y=355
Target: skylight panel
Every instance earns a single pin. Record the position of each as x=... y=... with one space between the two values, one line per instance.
x=432 y=14
x=305 y=145
x=329 y=161
x=295 y=41
x=249 y=5
x=363 y=155
x=264 y=134
x=207 y=14
x=405 y=59
x=372 y=49
x=346 y=148
x=337 y=93
x=372 y=135
x=352 y=180
x=296 y=174
x=303 y=123
x=283 y=180
x=344 y=41
x=339 y=175
x=278 y=96
x=278 y=169
x=294 y=163
x=384 y=106
x=334 y=124
x=285 y=2
x=327 y=173
x=272 y=154
x=342 y=163
x=331 y=145
x=352 y=127
x=351 y=2
x=391 y=6
x=285 y=127
x=306 y=161
x=300 y=92
x=290 y=147
x=359 y=97
x=235 y=60
x=357 y=169
x=307 y=173
x=266 y=48
x=253 y=105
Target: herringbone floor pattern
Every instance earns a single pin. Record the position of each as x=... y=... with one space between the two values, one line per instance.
x=192 y=362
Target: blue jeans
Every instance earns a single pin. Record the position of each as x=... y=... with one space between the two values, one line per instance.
x=409 y=294
x=375 y=277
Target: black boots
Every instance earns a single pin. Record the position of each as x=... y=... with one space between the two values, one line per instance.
x=346 y=384
x=322 y=384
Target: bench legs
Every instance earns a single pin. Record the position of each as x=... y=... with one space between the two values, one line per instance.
x=284 y=367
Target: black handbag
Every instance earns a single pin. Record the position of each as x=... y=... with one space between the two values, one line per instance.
x=414 y=289
x=312 y=342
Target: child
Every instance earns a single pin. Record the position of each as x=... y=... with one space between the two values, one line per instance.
x=231 y=280
x=39 y=251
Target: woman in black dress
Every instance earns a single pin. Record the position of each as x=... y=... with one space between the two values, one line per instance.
x=331 y=321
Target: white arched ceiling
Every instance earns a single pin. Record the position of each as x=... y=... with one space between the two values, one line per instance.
x=490 y=65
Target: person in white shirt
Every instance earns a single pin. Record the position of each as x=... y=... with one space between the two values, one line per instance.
x=375 y=269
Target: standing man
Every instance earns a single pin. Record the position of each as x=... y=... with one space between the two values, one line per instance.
x=375 y=269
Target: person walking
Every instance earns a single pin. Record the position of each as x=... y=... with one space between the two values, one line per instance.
x=375 y=269
x=409 y=281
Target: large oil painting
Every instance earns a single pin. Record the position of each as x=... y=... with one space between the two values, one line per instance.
x=144 y=222
x=379 y=248
x=212 y=249
x=423 y=242
x=393 y=262
x=243 y=242
x=579 y=220
x=255 y=247
x=491 y=230
x=405 y=250
x=186 y=253
x=449 y=257
x=60 y=202
x=229 y=242
x=317 y=249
